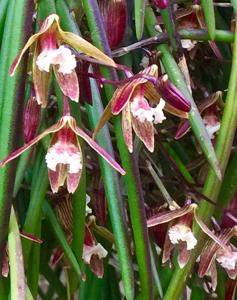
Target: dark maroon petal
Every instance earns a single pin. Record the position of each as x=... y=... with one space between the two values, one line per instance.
x=88 y=239
x=97 y=266
x=57 y=178
x=158 y=234
x=184 y=255
x=84 y=81
x=73 y=181
x=56 y=256
x=121 y=97
x=31 y=119
x=100 y=204
x=169 y=92
x=145 y=132
x=168 y=247
x=114 y=13
x=68 y=83
x=230 y=289
x=183 y=128
x=161 y=4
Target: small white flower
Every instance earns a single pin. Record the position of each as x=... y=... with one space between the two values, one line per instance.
x=88 y=209
x=147 y=113
x=188 y=44
x=145 y=62
x=66 y=154
x=61 y=56
x=158 y=113
x=228 y=260
x=212 y=129
x=97 y=249
x=180 y=232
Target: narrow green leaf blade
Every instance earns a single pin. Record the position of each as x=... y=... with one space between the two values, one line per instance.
x=209 y=13
x=139 y=12
x=17 y=276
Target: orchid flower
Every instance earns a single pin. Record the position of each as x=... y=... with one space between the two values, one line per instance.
x=227 y=258
x=93 y=252
x=131 y=100
x=51 y=53
x=209 y=110
x=64 y=156
x=180 y=231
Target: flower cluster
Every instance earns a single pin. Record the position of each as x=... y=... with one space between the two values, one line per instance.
x=51 y=52
x=180 y=232
x=141 y=101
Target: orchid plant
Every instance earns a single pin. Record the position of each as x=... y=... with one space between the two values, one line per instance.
x=149 y=87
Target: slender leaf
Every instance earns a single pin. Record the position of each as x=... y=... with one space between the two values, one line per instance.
x=139 y=12
x=17 y=276
x=11 y=95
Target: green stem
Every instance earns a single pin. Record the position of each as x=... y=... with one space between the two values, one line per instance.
x=132 y=177
x=170 y=28
x=212 y=184
x=202 y=35
x=209 y=13
x=139 y=12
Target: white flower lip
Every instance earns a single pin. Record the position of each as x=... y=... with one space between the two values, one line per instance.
x=88 y=209
x=148 y=113
x=88 y=251
x=67 y=154
x=180 y=232
x=61 y=56
x=188 y=44
x=212 y=129
x=228 y=260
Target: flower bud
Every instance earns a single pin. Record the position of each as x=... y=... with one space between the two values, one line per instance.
x=114 y=13
x=169 y=92
x=31 y=118
x=161 y=4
